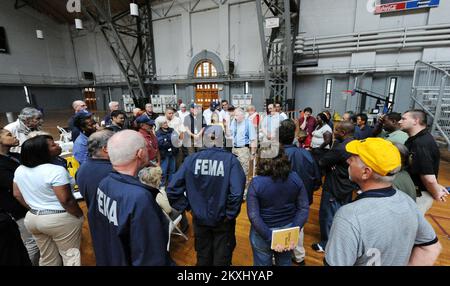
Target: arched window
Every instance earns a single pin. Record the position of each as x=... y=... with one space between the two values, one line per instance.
x=205 y=93
x=205 y=69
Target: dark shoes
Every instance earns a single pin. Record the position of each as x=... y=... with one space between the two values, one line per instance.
x=317 y=247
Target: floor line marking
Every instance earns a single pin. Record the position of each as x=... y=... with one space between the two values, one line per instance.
x=439 y=225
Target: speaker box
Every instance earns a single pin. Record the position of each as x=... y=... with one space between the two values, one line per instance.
x=88 y=76
x=230 y=67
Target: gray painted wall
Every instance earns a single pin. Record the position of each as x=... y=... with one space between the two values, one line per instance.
x=12 y=98
x=52 y=56
x=310 y=91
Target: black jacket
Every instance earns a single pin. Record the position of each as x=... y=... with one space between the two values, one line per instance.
x=337 y=181
x=165 y=145
x=12 y=250
x=7 y=201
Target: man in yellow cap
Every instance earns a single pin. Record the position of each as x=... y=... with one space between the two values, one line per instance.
x=383 y=226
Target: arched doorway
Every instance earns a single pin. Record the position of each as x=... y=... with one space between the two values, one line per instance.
x=205 y=93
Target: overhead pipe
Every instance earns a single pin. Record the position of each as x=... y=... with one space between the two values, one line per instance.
x=428 y=27
x=379 y=36
x=380 y=47
x=307 y=47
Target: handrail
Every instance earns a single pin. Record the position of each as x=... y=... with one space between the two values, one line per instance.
x=432 y=66
x=428 y=77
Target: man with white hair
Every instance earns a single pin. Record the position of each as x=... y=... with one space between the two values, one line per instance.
x=113 y=105
x=88 y=180
x=383 y=226
x=126 y=208
x=30 y=119
x=253 y=116
x=183 y=112
x=79 y=107
x=244 y=139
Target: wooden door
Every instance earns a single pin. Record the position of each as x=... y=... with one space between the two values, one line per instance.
x=90 y=99
x=205 y=93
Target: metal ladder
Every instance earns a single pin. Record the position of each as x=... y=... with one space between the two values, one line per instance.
x=431 y=92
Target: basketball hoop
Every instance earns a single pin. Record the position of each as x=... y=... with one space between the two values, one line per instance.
x=346 y=94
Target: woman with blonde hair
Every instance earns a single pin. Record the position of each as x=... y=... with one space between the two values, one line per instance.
x=151 y=176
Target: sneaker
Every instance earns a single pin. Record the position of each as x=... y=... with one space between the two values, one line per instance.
x=317 y=247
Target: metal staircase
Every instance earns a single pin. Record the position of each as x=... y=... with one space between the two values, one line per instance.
x=431 y=92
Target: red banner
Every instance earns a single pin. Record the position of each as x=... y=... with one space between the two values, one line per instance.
x=390 y=7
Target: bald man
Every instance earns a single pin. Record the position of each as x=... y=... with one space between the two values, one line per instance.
x=125 y=208
x=79 y=107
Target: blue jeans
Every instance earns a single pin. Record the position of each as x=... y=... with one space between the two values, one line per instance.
x=262 y=253
x=328 y=208
x=168 y=165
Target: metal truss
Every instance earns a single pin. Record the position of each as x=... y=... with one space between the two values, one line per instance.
x=278 y=47
x=130 y=40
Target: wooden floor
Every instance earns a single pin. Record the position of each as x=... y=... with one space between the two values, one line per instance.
x=183 y=251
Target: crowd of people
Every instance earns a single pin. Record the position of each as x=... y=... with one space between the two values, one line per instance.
x=377 y=183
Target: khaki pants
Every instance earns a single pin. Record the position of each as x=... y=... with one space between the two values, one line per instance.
x=299 y=251
x=243 y=155
x=424 y=202
x=58 y=237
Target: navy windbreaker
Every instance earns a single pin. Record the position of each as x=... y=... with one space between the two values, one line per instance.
x=128 y=227
x=214 y=182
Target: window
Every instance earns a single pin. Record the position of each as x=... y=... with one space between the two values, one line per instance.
x=205 y=69
x=246 y=87
x=392 y=88
x=27 y=95
x=328 y=93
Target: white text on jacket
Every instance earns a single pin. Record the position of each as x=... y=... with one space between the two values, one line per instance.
x=107 y=207
x=209 y=168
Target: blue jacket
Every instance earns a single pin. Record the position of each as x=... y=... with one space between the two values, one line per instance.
x=89 y=176
x=306 y=167
x=214 y=182
x=273 y=204
x=165 y=143
x=80 y=148
x=364 y=133
x=128 y=227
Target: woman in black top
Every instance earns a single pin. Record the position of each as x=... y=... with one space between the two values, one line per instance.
x=8 y=165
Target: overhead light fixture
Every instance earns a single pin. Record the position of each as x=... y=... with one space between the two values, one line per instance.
x=134 y=9
x=78 y=24
x=39 y=34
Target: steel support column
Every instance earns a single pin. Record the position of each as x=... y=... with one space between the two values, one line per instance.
x=130 y=40
x=277 y=48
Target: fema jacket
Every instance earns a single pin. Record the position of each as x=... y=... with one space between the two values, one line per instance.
x=127 y=225
x=306 y=167
x=165 y=145
x=214 y=182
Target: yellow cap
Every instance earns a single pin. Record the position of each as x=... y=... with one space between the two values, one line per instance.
x=378 y=154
